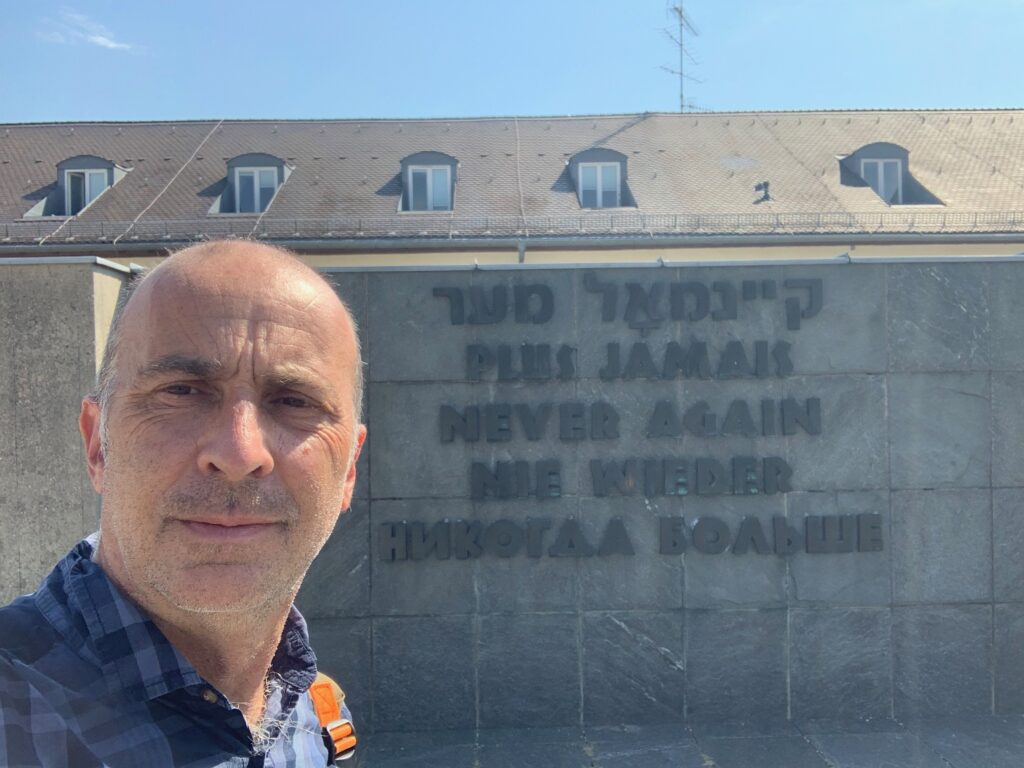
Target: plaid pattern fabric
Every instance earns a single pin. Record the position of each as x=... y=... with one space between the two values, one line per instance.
x=87 y=680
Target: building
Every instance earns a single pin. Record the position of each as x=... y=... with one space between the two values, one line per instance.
x=672 y=416
x=613 y=189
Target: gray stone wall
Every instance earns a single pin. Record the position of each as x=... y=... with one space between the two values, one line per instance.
x=917 y=370
x=912 y=462
x=50 y=318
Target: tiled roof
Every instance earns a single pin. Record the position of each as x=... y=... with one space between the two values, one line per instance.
x=687 y=173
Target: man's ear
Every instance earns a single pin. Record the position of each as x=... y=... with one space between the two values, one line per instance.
x=89 y=426
x=350 y=478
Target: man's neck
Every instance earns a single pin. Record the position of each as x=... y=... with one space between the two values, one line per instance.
x=232 y=650
x=234 y=655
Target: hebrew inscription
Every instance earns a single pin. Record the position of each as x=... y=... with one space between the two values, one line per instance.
x=706 y=344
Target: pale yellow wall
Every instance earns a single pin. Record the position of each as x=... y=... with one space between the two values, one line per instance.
x=972 y=249
x=510 y=255
x=376 y=259
x=674 y=254
x=106 y=286
x=142 y=261
x=402 y=259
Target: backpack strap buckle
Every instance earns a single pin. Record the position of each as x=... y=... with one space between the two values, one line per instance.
x=340 y=737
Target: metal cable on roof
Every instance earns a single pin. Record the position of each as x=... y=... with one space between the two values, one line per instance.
x=799 y=161
x=168 y=184
x=963 y=148
x=259 y=219
x=519 y=180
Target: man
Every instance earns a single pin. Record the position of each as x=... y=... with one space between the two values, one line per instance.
x=223 y=438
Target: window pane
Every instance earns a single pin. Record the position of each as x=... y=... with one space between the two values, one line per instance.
x=246 y=193
x=97 y=183
x=870 y=170
x=609 y=186
x=890 y=179
x=419 y=191
x=440 y=190
x=588 y=186
x=76 y=184
x=268 y=183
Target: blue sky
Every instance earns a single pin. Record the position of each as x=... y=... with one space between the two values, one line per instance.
x=107 y=60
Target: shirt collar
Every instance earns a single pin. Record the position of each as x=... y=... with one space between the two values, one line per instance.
x=294 y=660
x=137 y=659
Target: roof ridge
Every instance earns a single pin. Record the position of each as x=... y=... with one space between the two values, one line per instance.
x=496 y=118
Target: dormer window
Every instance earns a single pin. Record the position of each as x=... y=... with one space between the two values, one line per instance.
x=252 y=182
x=80 y=181
x=885 y=176
x=254 y=189
x=429 y=188
x=82 y=187
x=599 y=185
x=428 y=182
x=884 y=167
x=599 y=176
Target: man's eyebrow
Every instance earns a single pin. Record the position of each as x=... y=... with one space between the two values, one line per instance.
x=288 y=377
x=197 y=367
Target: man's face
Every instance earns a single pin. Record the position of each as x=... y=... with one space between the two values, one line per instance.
x=231 y=435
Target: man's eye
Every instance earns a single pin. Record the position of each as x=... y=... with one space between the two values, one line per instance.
x=179 y=389
x=293 y=401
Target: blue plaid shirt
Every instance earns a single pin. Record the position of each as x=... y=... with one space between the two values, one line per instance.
x=87 y=680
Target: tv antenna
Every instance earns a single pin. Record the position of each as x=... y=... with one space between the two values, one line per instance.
x=684 y=27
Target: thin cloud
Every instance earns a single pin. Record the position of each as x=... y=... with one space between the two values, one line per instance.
x=71 y=27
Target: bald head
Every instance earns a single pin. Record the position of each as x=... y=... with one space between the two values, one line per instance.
x=234 y=271
x=236 y=258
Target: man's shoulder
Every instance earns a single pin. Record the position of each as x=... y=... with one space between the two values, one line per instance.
x=25 y=637
x=25 y=634
x=51 y=624
x=35 y=653
x=34 y=727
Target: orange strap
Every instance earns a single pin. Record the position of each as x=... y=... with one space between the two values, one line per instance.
x=327 y=698
x=327 y=707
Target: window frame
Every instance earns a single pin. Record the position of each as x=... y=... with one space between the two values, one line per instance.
x=255 y=170
x=601 y=167
x=880 y=163
x=86 y=173
x=430 y=187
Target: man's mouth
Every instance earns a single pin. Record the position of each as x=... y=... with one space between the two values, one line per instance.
x=229 y=529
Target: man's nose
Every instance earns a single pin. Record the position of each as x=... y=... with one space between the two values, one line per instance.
x=235 y=444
